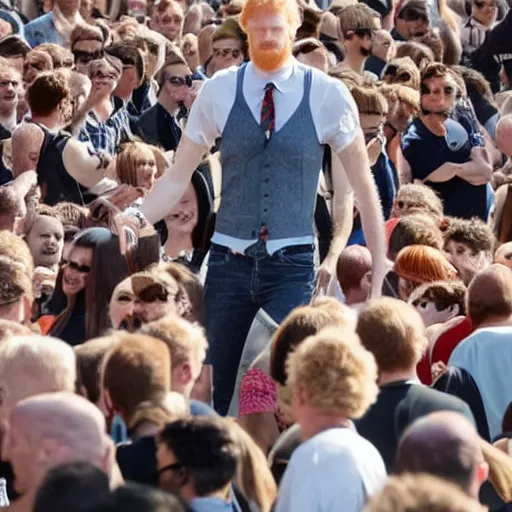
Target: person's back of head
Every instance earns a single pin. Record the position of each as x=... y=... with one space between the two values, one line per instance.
x=353 y=271
x=489 y=297
x=203 y=452
x=72 y=486
x=16 y=294
x=421 y=493
x=187 y=346
x=444 y=444
x=55 y=428
x=46 y=93
x=414 y=197
x=135 y=370
x=89 y=358
x=30 y=365
x=394 y=333
x=133 y=497
x=14 y=247
x=417 y=229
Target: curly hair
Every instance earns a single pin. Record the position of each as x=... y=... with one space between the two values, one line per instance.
x=421 y=198
x=474 y=233
x=338 y=373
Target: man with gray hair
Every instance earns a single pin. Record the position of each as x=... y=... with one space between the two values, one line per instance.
x=52 y=429
x=31 y=365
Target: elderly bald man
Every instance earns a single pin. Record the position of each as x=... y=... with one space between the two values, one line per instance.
x=52 y=429
x=447 y=445
x=31 y=365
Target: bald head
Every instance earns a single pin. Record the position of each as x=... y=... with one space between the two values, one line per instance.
x=27 y=140
x=30 y=365
x=443 y=444
x=55 y=428
x=503 y=255
x=490 y=295
x=504 y=134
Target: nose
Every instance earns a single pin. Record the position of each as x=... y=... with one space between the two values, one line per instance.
x=137 y=307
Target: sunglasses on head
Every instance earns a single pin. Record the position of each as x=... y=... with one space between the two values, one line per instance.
x=179 y=81
x=83 y=269
x=306 y=48
x=154 y=292
x=226 y=52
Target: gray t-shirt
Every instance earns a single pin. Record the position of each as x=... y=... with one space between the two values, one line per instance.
x=335 y=470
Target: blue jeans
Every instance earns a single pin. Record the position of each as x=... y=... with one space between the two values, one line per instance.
x=237 y=286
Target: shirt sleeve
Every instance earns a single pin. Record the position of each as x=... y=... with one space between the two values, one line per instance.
x=201 y=126
x=338 y=117
x=82 y=164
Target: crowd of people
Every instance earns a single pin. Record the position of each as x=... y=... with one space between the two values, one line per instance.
x=255 y=255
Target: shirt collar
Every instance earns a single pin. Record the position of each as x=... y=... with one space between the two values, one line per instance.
x=211 y=505
x=280 y=78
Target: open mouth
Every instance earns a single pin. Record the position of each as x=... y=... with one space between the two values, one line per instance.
x=49 y=252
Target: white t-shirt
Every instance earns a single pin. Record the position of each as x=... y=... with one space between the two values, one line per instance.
x=336 y=470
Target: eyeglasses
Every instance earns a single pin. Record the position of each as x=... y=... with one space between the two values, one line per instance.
x=179 y=81
x=73 y=265
x=154 y=292
x=86 y=57
x=227 y=52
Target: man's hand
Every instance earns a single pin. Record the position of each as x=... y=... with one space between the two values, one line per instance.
x=97 y=94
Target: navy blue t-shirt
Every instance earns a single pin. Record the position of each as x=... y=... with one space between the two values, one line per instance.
x=425 y=152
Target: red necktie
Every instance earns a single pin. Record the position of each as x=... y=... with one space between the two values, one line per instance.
x=268 y=113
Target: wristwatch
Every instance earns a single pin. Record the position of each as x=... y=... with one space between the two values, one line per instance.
x=134 y=212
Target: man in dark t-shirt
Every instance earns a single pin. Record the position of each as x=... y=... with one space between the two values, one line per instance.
x=394 y=332
x=443 y=148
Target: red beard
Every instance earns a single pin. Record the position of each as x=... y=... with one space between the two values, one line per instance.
x=269 y=59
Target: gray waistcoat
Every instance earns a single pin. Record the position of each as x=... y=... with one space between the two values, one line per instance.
x=274 y=185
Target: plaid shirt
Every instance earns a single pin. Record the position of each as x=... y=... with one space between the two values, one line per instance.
x=106 y=137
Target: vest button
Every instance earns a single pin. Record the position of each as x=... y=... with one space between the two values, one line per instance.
x=265 y=210
x=265 y=195
x=267 y=180
x=266 y=166
x=253 y=233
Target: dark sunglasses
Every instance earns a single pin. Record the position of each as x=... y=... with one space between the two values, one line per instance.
x=86 y=57
x=364 y=32
x=154 y=292
x=227 y=52
x=481 y=5
x=99 y=74
x=179 y=81
x=83 y=269
x=448 y=90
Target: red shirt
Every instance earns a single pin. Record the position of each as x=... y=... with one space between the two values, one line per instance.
x=443 y=348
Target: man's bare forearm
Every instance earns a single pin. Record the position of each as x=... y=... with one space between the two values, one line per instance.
x=169 y=189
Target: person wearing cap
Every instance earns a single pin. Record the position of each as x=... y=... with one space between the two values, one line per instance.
x=411 y=21
x=274 y=116
x=358 y=27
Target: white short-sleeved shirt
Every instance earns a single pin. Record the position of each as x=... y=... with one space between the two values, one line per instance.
x=334 y=111
x=334 y=470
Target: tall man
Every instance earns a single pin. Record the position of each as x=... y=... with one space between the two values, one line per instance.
x=273 y=116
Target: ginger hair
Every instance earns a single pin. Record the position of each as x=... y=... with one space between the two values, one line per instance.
x=289 y=8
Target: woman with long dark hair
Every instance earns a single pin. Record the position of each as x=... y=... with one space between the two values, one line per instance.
x=87 y=278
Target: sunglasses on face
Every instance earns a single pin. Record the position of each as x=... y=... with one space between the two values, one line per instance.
x=364 y=32
x=448 y=90
x=86 y=57
x=153 y=293
x=101 y=75
x=82 y=269
x=179 y=81
x=227 y=52
x=481 y=5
